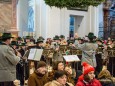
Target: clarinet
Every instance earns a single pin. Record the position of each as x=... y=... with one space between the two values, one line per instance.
x=16 y=52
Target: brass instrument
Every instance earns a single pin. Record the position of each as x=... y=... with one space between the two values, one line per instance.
x=99 y=50
x=76 y=52
x=48 y=53
x=47 y=46
x=111 y=52
x=63 y=49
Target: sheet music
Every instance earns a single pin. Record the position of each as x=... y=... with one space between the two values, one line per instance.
x=71 y=58
x=38 y=54
x=35 y=54
x=32 y=54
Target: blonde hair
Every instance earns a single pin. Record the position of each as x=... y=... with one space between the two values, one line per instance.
x=104 y=74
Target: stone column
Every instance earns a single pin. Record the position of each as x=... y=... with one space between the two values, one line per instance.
x=106 y=7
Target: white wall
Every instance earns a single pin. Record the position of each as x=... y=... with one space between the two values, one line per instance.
x=94 y=21
x=51 y=21
x=81 y=22
x=41 y=19
x=54 y=22
x=59 y=21
x=22 y=16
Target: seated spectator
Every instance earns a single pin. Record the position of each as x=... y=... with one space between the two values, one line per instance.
x=71 y=74
x=105 y=78
x=59 y=65
x=39 y=77
x=88 y=76
x=60 y=79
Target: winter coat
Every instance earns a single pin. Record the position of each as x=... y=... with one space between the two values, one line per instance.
x=37 y=80
x=81 y=82
x=105 y=78
x=55 y=83
x=88 y=52
x=8 y=61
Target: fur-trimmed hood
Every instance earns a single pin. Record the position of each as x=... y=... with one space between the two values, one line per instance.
x=55 y=83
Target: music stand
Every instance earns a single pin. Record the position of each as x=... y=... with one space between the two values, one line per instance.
x=72 y=58
x=77 y=52
x=35 y=54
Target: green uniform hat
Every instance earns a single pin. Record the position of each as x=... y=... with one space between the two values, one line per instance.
x=23 y=44
x=40 y=37
x=62 y=36
x=70 y=41
x=100 y=40
x=39 y=41
x=6 y=36
x=27 y=37
x=79 y=38
x=90 y=35
x=19 y=39
x=14 y=43
x=56 y=37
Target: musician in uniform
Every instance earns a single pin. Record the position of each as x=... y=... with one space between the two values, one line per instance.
x=111 y=56
x=99 y=55
x=14 y=44
x=8 y=61
x=57 y=56
x=22 y=66
x=88 y=50
x=39 y=45
x=28 y=41
x=62 y=40
x=19 y=40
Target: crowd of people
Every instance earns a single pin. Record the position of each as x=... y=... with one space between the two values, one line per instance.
x=14 y=63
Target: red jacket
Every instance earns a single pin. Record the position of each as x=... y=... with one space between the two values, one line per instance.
x=94 y=82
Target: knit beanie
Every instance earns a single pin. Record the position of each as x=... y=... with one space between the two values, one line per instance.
x=41 y=64
x=87 y=68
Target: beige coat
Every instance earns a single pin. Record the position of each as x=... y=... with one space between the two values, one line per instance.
x=8 y=61
x=88 y=52
x=55 y=83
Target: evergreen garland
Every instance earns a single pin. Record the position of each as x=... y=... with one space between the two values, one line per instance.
x=73 y=3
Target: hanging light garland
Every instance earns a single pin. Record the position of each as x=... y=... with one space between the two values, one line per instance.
x=73 y=3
